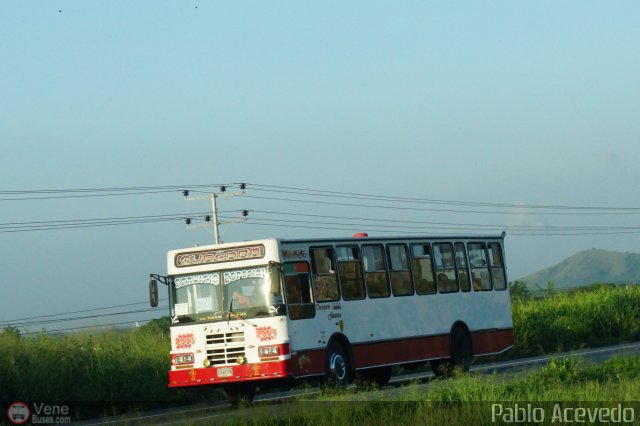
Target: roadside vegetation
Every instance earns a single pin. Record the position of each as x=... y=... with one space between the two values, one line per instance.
x=470 y=398
x=110 y=370
x=127 y=369
x=550 y=321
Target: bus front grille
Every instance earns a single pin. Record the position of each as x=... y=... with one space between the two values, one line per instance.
x=225 y=348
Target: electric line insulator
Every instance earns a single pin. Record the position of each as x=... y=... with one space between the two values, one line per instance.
x=185 y=193
x=243 y=186
x=207 y=218
x=245 y=213
x=223 y=188
x=187 y=221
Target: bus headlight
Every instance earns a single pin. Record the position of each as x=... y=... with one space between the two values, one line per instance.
x=273 y=350
x=179 y=359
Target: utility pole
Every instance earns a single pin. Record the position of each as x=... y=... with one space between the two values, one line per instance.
x=214 y=209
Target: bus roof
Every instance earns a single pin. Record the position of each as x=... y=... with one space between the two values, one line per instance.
x=394 y=238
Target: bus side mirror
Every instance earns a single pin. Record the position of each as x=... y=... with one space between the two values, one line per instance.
x=153 y=293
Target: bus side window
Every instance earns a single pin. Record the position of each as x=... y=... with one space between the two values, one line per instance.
x=461 y=264
x=325 y=282
x=497 y=266
x=399 y=272
x=375 y=271
x=480 y=276
x=445 y=267
x=422 y=266
x=297 y=289
x=351 y=282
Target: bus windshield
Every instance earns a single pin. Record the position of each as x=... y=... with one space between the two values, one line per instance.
x=220 y=295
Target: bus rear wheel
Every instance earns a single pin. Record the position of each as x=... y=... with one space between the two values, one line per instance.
x=338 y=368
x=461 y=355
x=461 y=350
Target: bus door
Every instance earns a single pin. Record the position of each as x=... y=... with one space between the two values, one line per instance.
x=300 y=304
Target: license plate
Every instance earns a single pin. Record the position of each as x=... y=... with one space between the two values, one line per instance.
x=225 y=372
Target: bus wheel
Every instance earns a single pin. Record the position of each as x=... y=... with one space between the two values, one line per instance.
x=461 y=350
x=378 y=376
x=461 y=355
x=239 y=392
x=339 y=372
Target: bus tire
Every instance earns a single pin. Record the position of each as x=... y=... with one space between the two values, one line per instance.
x=338 y=368
x=461 y=349
x=461 y=354
x=240 y=392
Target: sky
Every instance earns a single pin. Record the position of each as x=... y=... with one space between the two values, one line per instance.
x=517 y=103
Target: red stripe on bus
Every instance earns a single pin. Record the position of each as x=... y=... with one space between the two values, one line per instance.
x=490 y=342
x=309 y=363
x=398 y=351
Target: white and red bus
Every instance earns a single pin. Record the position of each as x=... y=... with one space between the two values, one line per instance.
x=254 y=313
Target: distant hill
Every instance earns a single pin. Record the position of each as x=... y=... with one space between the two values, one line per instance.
x=588 y=267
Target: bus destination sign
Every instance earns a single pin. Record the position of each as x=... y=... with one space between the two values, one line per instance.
x=219 y=256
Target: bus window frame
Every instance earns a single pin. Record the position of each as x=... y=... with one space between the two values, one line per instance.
x=286 y=295
x=464 y=269
x=433 y=269
x=333 y=274
x=444 y=269
x=376 y=271
x=486 y=266
x=408 y=270
x=501 y=267
x=360 y=271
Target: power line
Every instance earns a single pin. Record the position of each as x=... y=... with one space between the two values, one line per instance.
x=12 y=227
x=137 y=190
x=84 y=317
x=3 y=323
x=88 y=326
x=409 y=230
x=338 y=194
x=406 y=224
x=47 y=194
x=87 y=223
x=112 y=189
x=333 y=203
x=53 y=197
x=452 y=224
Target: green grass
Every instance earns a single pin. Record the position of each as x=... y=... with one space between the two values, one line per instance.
x=567 y=321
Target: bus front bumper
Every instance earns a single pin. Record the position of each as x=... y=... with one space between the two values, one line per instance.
x=227 y=374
